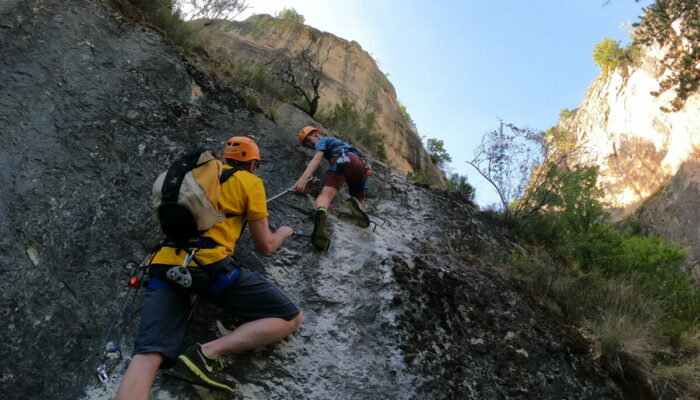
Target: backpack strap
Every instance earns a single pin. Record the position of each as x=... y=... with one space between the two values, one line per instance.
x=227 y=174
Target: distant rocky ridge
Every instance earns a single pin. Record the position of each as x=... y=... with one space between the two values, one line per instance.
x=349 y=72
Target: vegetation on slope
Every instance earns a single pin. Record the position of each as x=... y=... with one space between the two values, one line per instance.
x=625 y=291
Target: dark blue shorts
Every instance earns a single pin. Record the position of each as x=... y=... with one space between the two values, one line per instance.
x=166 y=309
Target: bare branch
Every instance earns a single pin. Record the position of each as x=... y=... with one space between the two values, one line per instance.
x=303 y=71
x=211 y=9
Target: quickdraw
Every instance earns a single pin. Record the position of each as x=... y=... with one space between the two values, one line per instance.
x=112 y=343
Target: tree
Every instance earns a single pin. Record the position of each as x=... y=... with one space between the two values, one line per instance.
x=607 y=54
x=458 y=185
x=505 y=158
x=525 y=175
x=674 y=24
x=438 y=154
x=303 y=72
x=210 y=9
x=290 y=14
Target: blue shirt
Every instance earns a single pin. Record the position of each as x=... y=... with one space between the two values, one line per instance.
x=331 y=147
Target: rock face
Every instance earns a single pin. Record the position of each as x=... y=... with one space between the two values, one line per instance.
x=672 y=212
x=348 y=71
x=647 y=156
x=93 y=109
x=624 y=131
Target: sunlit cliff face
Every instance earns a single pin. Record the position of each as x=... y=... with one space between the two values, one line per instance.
x=623 y=130
x=347 y=72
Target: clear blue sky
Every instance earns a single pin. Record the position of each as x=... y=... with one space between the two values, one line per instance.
x=459 y=66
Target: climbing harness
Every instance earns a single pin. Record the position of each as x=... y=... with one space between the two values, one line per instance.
x=112 y=343
x=179 y=275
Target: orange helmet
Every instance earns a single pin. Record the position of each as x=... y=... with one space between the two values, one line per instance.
x=306 y=131
x=241 y=148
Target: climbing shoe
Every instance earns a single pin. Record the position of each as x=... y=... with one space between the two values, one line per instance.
x=318 y=236
x=360 y=218
x=202 y=369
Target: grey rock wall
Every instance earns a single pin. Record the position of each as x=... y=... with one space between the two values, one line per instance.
x=92 y=108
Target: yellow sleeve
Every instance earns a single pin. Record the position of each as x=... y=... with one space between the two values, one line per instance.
x=257 y=202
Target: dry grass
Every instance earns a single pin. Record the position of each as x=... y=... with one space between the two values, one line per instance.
x=619 y=319
x=681 y=380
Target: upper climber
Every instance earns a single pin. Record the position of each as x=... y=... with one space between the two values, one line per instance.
x=346 y=164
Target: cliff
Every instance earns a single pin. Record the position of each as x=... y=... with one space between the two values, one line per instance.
x=93 y=108
x=647 y=153
x=347 y=72
x=623 y=129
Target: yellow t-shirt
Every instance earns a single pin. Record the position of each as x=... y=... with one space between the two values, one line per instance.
x=242 y=194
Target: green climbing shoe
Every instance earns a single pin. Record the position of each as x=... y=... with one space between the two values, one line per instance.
x=360 y=218
x=319 y=238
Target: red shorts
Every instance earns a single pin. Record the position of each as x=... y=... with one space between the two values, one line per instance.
x=354 y=173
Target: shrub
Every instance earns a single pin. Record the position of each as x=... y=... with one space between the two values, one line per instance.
x=607 y=54
x=291 y=15
x=560 y=139
x=418 y=178
x=345 y=118
x=407 y=117
x=457 y=184
x=164 y=15
x=438 y=154
x=574 y=225
x=564 y=113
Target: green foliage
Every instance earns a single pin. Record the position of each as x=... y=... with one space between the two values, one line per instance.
x=418 y=178
x=574 y=225
x=438 y=154
x=607 y=54
x=656 y=26
x=243 y=74
x=345 y=118
x=458 y=185
x=564 y=113
x=655 y=265
x=164 y=15
x=407 y=117
x=370 y=97
x=559 y=139
x=291 y=15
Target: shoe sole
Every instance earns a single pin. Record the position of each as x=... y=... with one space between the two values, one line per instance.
x=361 y=218
x=201 y=375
